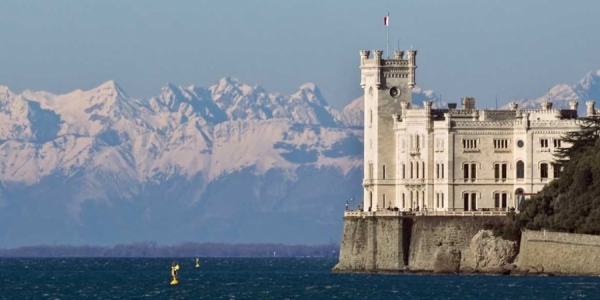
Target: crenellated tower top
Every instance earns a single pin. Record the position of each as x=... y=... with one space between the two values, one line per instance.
x=403 y=65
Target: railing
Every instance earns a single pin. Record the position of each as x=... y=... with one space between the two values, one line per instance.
x=390 y=213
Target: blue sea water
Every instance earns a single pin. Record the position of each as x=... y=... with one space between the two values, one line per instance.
x=260 y=278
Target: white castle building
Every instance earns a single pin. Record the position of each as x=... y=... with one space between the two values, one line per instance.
x=451 y=159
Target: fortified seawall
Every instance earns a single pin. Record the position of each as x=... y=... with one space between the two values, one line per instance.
x=460 y=244
x=425 y=243
x=559 y=253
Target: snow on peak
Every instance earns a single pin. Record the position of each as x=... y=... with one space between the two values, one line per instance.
x=588 y=88
x=5 y=92
x=590 y=81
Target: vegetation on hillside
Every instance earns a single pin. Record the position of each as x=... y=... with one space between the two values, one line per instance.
x=572 y=202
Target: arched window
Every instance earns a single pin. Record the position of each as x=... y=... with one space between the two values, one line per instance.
x=403 y=171
x=544 y=170
x=417 y=169
x=520 y=170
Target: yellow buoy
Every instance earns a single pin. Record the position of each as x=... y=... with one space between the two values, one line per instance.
x=174 y=269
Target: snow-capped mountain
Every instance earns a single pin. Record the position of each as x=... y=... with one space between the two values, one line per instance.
x=588 y=88
x=230 y=162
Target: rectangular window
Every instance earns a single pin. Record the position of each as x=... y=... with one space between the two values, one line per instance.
x=496 y=171
x=544 y=143
x=403 y=200
x=466 y=171
x=500 y=144
x=403 y=171
x=496 y=200
x=437 y=196
x=470 y=144
x=557 y=143
x=473 y=171
x=411 y=169
x=504 y=199
x=383 y=173
x=504 y=167
x=437 y=170
x=442 y=170
x=442 y=200
x=466 y=201
x=383 y=201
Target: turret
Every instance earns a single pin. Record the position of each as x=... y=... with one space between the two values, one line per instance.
x=590 y=108
x=377 y=58
x=573 y=104
x=468 y=103
x=546 y=105
x=412 y=65
x=398 y=54
x=364 y=55
x=513 y=105
x=427 y=105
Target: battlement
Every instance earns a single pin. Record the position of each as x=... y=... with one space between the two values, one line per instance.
x=402 y=65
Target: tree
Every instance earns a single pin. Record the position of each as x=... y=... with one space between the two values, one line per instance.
x=580 y=141
x=572 y=202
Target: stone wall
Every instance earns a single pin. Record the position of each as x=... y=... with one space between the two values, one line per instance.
x=373 y=244
x=434 y=238
x=559 y=253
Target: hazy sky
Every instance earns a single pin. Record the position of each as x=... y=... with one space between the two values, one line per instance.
x=512 y=48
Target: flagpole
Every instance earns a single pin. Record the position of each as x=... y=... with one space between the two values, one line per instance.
x=387 y=27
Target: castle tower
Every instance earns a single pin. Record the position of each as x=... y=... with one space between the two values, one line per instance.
x=386 y=83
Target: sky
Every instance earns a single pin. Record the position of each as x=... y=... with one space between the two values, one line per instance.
x=509 y=48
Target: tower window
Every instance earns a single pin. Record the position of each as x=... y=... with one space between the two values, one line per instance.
x=383 y=173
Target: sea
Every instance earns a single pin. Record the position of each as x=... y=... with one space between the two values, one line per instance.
x=261 y=278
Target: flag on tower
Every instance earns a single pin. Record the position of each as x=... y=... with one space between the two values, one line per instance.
x=386 y=20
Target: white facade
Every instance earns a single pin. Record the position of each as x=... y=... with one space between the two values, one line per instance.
x=451 y=159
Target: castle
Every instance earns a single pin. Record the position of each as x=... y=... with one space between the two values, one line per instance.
x=442 y=160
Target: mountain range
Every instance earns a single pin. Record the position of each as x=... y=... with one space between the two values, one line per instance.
x=227 y=163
